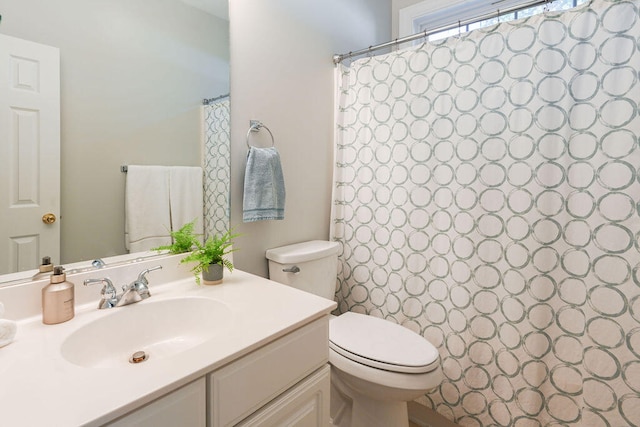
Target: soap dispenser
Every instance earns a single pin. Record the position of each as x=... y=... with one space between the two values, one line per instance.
x=58 y=299
x=44 y=270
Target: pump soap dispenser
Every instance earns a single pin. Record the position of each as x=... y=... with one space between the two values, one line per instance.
x=44 y=270
x=58 y=299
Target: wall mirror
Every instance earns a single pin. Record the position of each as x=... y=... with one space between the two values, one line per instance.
x=133 y=75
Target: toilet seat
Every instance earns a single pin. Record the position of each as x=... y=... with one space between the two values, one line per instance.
x=381 y=344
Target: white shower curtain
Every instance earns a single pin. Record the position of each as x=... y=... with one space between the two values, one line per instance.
x=217 y=167
x=487 y=196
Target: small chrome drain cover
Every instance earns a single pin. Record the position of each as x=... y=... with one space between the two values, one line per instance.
x=138 y=357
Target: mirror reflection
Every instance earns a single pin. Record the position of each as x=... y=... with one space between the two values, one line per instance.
x=132 y=75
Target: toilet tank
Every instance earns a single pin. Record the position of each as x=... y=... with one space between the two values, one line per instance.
x=317 y=262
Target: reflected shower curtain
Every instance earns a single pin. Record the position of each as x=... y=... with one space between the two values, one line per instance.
x=217 y=167
x=487 y=196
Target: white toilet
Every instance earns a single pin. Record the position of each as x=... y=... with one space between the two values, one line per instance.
x=377 y=366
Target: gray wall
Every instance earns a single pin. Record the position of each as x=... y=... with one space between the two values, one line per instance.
x=282 y=74
x=133 y=75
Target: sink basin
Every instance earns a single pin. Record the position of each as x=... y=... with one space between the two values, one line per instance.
x=160 y=328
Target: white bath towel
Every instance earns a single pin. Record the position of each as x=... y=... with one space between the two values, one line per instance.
x=8 y=329
x=1 y=310
x=147 y=214
x=186 y=198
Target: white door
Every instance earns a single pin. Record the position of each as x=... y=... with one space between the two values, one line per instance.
x=29 y=153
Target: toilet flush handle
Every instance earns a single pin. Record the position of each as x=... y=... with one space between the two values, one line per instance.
x=294 y=269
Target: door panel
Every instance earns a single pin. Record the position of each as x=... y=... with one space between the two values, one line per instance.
x=29 y=153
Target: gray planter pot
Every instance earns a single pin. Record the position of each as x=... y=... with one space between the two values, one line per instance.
x=213 y=276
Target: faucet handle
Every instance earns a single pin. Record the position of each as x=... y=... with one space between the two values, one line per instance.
x=109 y=295
x=142 y=284
x=142 y=277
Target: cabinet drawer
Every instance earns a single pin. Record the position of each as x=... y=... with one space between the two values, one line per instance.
x=305 y=405
x=239 y=389
x=183 y=407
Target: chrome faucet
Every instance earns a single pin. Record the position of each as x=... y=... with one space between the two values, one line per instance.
x=109 y=297
x=138 y=289
x=98 y=263
x=135 y=292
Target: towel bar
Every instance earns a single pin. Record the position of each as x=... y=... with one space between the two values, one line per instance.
x=255 y=126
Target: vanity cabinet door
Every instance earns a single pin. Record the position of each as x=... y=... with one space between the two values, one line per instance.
x=305 y=405
x=186 y=406
x=246 y=385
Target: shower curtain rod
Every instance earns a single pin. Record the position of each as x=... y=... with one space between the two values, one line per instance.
x=424 y=34
x=210 y=100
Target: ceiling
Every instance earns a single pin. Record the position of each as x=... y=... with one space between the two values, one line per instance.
x=219 y=8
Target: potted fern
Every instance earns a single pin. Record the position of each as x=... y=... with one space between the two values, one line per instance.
x=209 y=257
x=183 y=240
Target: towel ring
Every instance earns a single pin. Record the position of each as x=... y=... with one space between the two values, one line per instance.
x=255 y=126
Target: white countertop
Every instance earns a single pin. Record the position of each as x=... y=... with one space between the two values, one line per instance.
x=38 y=387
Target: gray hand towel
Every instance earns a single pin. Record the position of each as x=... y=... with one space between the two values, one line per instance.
x=264 y=192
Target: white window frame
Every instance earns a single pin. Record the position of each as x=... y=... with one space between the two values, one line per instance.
x=434 y=14
x=410 y=15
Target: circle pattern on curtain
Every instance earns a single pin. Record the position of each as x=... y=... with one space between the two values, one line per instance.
x=487 y=196
x=217 y=168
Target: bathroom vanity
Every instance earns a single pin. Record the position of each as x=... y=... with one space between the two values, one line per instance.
x=247 y=352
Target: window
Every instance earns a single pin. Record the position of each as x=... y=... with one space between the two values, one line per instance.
x=432 y=14
x=530 y=11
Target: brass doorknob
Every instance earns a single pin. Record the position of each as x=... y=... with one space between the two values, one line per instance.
x=48 y=218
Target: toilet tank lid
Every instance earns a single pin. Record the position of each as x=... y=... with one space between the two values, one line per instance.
x=301 y=252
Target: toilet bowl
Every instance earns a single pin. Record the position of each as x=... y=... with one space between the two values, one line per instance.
x=376 y=366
